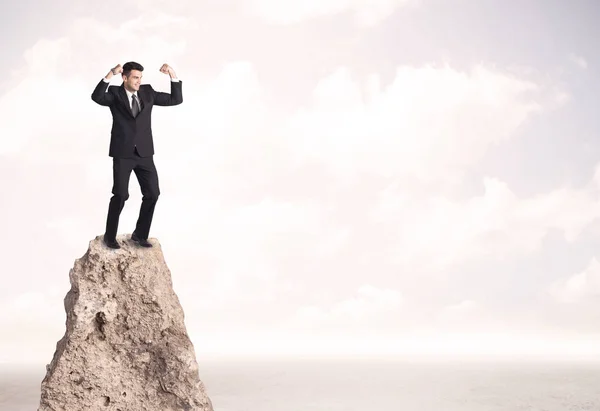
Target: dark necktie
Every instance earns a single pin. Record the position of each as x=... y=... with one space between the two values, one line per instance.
x=135 y=106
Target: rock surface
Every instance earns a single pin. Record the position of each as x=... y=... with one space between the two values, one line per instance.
x=125 y=347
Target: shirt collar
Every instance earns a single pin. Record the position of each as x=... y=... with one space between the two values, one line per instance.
x=129 y=93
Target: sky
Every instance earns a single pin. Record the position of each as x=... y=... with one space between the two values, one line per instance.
x=344 y=177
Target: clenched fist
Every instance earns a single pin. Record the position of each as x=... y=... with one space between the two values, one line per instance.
x=165 y=68
x=117 y=69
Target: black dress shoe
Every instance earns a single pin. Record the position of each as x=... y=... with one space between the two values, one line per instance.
x=111 y=243
x=141 y=241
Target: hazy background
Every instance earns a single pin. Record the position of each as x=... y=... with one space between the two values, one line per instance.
x=344 y=177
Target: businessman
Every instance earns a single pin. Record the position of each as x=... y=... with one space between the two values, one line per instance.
x=131 y=145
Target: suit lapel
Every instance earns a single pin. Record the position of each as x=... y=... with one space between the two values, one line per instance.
x=141 y=95
x=125 y=99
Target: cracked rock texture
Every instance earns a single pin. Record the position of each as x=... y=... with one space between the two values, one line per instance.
x=125 y=347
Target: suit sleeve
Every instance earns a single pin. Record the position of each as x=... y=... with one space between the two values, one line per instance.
x=166 y=99
x=101 y=95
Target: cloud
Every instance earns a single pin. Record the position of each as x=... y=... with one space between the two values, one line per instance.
x=582 y=287
x=55 y=73
x=458 y=311
x=324 y=203
x=578 y=60
x=428 y=122
x=153 y=28
x=37 y=85
x=370 y=307
x=466 y=316
x=439 y=232
x=247 y=151
x=366 y=13
x=369 y=300
x=32 y=313
x=247 y=162
x=285 y=12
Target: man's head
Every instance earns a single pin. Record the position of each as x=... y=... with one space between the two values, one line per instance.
x=132 y=75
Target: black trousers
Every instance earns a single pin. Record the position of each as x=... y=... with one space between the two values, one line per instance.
x=147 y=176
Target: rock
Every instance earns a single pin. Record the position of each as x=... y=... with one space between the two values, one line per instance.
x=125 y=347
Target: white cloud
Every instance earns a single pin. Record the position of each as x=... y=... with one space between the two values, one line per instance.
x=242 y=246
x=37 y=85
x=55 y=74
x=369 y=300
x=583 y=287
x=437 y=231
x=270 y=203
x=465 y=316
x=370 y=307
x=366 y=12
x=578 y=60
x=151 y=28
x=31 y=311
x=458 y=311
x=427 y=123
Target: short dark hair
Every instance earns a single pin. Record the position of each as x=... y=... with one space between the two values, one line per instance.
x=131 y=65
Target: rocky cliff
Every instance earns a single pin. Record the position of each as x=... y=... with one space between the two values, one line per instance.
x=125 y=347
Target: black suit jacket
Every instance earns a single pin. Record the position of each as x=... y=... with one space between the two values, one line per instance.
x=128 y=132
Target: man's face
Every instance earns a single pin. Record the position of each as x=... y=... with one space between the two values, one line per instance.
x=133 y=81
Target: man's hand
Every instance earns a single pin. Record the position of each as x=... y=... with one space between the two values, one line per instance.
x=114 y=71
x=117 y=69
x=165 y=68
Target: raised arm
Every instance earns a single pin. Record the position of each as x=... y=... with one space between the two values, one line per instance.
x=176 y=96
x=100 y=94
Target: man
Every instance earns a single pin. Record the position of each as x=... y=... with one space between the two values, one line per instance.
x=131 y=144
